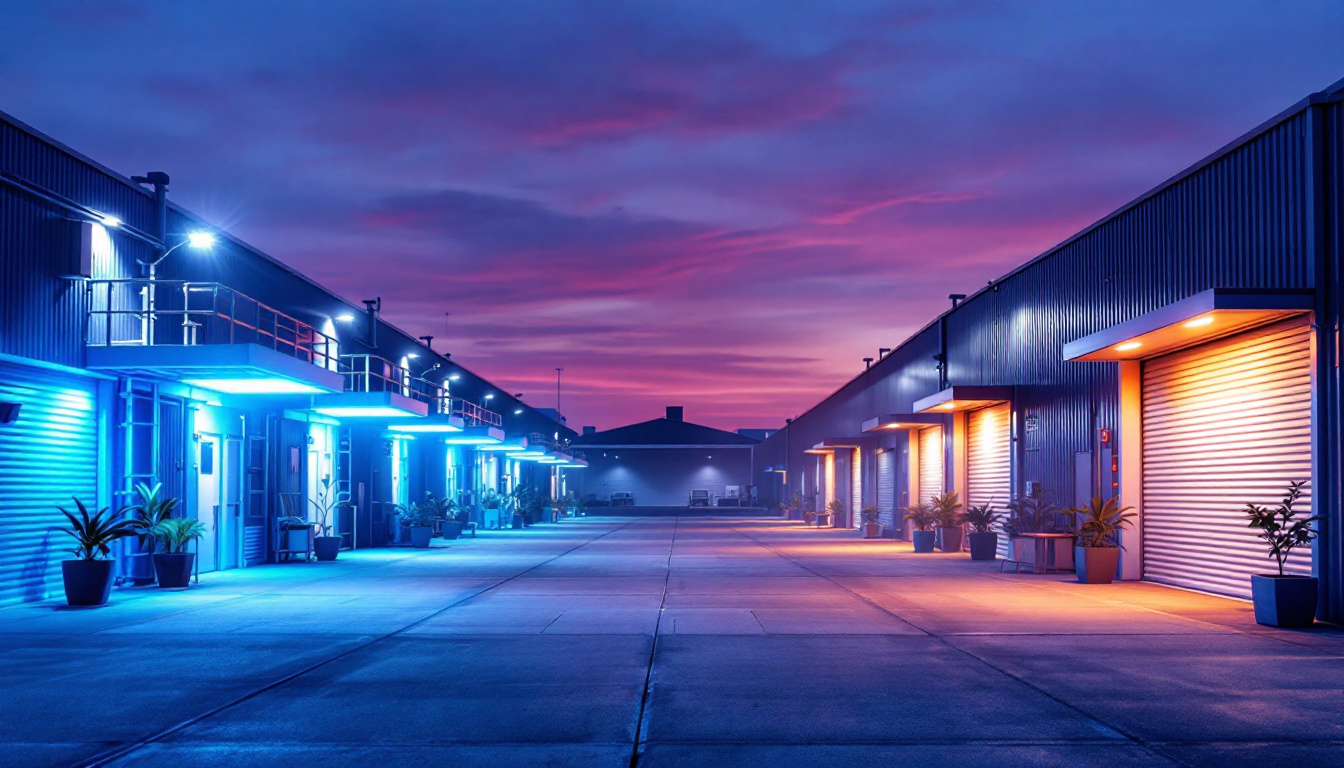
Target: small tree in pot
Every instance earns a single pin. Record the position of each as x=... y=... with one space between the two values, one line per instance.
x=174 y=563
x=835 y=510
x=947 y=514
x=1096 y=554
x=922 y=520
x=418 y=519
x=151 y=510
x=983 y=539
x=872 y=529
x=88 y=578
x=326 y=546
x=1283 y=600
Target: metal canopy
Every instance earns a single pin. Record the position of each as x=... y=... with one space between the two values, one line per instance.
x=385 y=405
x=963 y=398
x=1194 y=320
x=229 y=368
x=899 y=421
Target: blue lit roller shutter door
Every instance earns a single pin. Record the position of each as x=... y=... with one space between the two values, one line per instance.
x=886 y=492
x=47 y=456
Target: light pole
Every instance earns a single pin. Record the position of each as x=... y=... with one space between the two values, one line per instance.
x=197 y=240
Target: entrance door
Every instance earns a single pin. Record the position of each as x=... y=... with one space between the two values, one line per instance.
x=231 y=507
x=208 y=488
x=1224 y=424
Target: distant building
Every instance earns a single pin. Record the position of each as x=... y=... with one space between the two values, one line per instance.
x=665 y=463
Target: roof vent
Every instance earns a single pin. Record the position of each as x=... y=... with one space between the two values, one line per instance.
x=674 y=413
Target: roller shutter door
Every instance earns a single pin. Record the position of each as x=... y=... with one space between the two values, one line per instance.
x=886 y=489
x=828 y=483
x=989 y=460
x=856 y=488
x=930 y=463
x=1225 y=423
x=49 y=455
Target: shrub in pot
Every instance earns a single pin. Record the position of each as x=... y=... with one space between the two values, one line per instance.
x=326 y=546
x=1096 y=553
x=835 y=510
x=983 y=539
x=173 y=565
x=808 y=505
x=1036 y=513
x=947 y=514
x=418 y=520
x=492 y=501
x=151 y=509
x=1283 y=600
x=88 y=578
x=871 y=528
x=921 y=522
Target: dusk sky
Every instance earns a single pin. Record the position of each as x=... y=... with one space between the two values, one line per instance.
x=721 y=205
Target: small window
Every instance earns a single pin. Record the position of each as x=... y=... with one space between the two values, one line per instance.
x=207 y=458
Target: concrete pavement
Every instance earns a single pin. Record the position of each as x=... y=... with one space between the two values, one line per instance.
x=663 y=642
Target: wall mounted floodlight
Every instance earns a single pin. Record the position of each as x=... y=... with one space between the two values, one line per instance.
x=111 y=222
x=455 y=377
x=345 y=317
x=201 y=240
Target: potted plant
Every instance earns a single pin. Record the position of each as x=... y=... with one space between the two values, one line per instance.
x=1283 y=600
x=446 y=510
x=946 y=509
x=808 y=504
x=174 y=563
x=922 y=520
x=1096 y=553
x=793 y=508
x=1036 y=513
x=326 y=546
x=418 y=520
x=983 y=539
x=522 y=498
x=151 y=510
x=88 y=578
x=834 y=511
x=493 y=501
x=871 y=528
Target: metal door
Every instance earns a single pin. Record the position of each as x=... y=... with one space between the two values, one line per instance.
x=1224 y=423
x=886 y=490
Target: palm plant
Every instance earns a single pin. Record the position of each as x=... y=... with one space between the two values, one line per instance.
x=95 y=533
x=982 y=517
x=869 y=515
x=837 y=508
x=1280 y=527
x=175 y=533
x=151 y=510
x=920 y=516
x=1033 y=513
x=946 y=508
x=419 y=514
x=1101 y=522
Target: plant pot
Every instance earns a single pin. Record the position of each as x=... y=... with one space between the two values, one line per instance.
x=1283 y=601
x=140 y=569
x=809 y=517
x=327 y=547
x=951 y=539
x=174 y=569
x=872 y=530
x=1096 y=565
x=451 y=529
x=87 y=582
x=296 y=539
x=923 y=540
x=984 y=546
x=420 y=536
x=517 y=521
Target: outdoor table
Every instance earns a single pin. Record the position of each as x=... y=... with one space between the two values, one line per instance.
x=1043 y=553
x=823 y=519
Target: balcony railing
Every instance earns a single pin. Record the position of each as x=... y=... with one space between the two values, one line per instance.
x=474 y=415
x=156 y=313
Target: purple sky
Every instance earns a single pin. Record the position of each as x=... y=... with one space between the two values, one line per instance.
x=724 y=205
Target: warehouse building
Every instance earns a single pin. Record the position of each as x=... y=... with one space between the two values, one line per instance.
x=1181 y=354
x=140 y=344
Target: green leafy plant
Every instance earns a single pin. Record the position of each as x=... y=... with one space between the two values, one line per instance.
x=423 y=513
x=946 y=508
x=836 y=508
x=1280 y=527
x=95 y=533
x=807 y=503
x=982 y=517
x=1033 y=513
x=920 y=516
x=175 y=533
x=491 y=499
x=869 y=515
x=1101 y=521
x=326 y=504
x=152 y=509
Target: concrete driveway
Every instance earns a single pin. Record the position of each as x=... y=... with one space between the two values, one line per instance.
x=666 y=642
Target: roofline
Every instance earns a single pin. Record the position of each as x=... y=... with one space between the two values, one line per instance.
x=690 y=446
x=1330 y=94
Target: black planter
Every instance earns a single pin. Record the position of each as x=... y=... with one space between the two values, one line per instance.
x=923 y=540
x=1284 y=601
x=87 y=582
x=141 y=569
x=451 y=529
x=174 y=570
x=420 y=537
x=517 y=520
x=326 y=547
x=984 y=546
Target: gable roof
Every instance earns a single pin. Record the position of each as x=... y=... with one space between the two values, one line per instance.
x=663 y=432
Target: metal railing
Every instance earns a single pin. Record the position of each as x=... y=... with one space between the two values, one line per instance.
x=472 y=414
x=370 y=373
x=137 y=312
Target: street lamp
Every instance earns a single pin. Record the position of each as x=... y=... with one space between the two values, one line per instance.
x=197 y=240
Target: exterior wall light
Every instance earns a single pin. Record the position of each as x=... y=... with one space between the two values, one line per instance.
x=111 y=222
x=1127 y=346
x=201 y=240
x=1200 y=322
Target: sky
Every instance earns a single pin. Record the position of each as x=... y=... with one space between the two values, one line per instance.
x=721 y=205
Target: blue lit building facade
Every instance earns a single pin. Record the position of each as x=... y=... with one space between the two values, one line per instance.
x=239 y=384
x=1181 y=354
